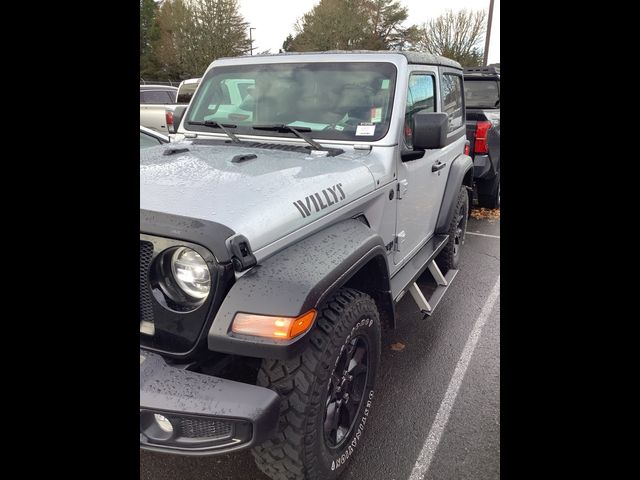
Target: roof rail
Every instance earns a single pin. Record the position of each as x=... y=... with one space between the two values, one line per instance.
x=490 y=70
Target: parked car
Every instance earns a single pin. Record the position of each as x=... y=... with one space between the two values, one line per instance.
x=151 y=138
x=186 y=89
x=158 y=94
x=482 y=95
x=274 y=249
x=157 y=103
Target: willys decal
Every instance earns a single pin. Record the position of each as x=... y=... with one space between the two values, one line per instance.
x=320 y=200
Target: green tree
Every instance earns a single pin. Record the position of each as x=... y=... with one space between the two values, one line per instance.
x=352 y=25
x=173 y=25
x=384 y=26
x=455 y=35
x=286 y=45
x=193 y=33
x=219 y=31
x=149 y=34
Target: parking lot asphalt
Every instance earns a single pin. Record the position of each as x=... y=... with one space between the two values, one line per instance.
x=439 y=394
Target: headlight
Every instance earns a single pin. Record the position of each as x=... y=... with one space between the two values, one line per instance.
x=191 y=273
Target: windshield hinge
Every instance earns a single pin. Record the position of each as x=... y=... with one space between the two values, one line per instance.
x=403 y=186
x=398 y=240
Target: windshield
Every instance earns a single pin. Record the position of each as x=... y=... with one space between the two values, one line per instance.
x=336 y=101
x=481 y=93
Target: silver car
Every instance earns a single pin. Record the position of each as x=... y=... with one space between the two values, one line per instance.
x=151 y=138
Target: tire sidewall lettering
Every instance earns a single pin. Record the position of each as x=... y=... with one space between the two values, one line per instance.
x=342 y=459
x=339 y=461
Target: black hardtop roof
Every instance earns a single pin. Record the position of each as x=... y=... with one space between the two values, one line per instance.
x=490 y=71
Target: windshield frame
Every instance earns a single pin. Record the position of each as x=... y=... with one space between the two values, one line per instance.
x=327 y=136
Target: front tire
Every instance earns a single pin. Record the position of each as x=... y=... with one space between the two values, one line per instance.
x=326 y=392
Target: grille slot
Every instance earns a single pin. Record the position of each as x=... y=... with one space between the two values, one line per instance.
x=210 y=429
x=146 y=309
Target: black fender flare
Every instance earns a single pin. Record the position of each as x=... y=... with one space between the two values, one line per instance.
x=461 y=171
x=293 y=281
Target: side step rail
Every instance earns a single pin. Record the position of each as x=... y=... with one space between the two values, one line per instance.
x=443 y=281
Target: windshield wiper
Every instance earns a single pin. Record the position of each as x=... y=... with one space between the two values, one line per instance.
x=297 y=131
x=223 y=126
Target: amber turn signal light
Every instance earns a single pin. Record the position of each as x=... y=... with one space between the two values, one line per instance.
x=284 y=328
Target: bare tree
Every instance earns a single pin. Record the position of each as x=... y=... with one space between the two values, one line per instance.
x=456 y=36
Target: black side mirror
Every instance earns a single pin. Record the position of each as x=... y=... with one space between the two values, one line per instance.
x=429 y=130
x=178 y=113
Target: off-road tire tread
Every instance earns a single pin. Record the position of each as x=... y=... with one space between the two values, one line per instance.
x=281 y=458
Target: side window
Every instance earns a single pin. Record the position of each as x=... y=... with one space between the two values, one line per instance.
x=185 y=96
x=452 y=100
x=243 y=88
x=155 y=96
x=220 y=95
x=420 y=97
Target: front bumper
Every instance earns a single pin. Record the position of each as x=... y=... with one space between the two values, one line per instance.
x=207 y=415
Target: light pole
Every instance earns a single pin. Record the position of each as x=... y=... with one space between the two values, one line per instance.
x=486 y=44
x=251 y=37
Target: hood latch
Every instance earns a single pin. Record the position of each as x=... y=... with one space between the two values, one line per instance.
x=241 y=254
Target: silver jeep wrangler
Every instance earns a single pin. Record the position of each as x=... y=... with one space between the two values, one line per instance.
x=308 y=193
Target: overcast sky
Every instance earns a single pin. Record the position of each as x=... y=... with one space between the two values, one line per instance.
x=273 y=20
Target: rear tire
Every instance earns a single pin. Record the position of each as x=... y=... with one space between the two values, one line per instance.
x=323 y=412
x=449 y=257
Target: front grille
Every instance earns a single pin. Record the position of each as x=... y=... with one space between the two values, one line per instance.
x=146 y=253
x=205 y=428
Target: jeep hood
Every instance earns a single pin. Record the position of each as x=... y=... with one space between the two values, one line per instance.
x=262 y=198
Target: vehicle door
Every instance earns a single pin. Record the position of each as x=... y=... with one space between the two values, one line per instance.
x=453 y=104
x=421 y=178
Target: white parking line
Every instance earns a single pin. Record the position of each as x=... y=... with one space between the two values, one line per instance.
x=442 y=417
x=482 y=235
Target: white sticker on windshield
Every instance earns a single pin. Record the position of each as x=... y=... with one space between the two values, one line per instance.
x=366 y=129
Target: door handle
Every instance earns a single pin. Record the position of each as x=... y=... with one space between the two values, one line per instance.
x=438 y=166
